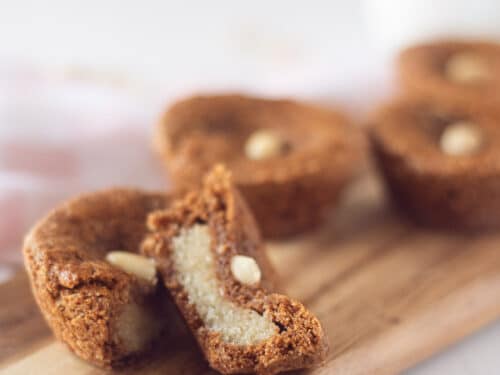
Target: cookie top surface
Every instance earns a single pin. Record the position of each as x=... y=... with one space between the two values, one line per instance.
x=453 y=69
x=197 y=133
x=71 y=242
x=417 y=132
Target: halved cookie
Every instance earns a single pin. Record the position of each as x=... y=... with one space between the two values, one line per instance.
x=209 y=254
x=106 y=313
x=290 y=160
x=441 y=161
x=466 y=72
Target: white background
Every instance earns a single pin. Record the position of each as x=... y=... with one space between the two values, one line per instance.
x=329 y=50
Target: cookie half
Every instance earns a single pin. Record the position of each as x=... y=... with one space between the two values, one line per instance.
x=103 y=313
x=210 y=256
x=289 y=160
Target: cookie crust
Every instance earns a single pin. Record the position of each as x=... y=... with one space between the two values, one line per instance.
x=288 y=194
x=438 y=190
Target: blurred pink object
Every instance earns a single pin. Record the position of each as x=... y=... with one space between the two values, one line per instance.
x=61 y=136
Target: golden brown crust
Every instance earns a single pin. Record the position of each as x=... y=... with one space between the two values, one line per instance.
x=422 y=72
x=439 y=190
x=300 y=342
x=288 y=194
x=79 y=294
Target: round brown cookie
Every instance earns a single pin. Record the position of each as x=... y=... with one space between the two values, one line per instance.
x=290 y=160
x=104 y=314
x=212 y=261
x=441 y=162
x=466 y=72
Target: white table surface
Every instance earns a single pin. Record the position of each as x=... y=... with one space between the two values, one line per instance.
x=320 y=49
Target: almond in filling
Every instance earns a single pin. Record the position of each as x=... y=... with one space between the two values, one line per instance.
x=195 y=268
x=264 y=144
x=467 y=67
x=134 y=264
x=461 y=138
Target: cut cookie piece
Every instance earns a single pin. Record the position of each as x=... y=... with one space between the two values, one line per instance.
x=210 y=256
x=466 y=72
x=106 y=311
x=441 y=162
x=289 y=160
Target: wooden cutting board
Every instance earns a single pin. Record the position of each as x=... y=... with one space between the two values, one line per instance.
x=388 y=294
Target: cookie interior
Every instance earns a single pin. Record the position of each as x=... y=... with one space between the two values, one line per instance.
x=195 y=267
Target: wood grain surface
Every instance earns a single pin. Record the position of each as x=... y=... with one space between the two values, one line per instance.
x=389 y=294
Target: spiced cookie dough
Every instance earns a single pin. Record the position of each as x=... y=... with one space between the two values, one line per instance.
x=209 y=254
x=465 y=72
x=289 y=160
x=441 y=162
x=98 y=297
